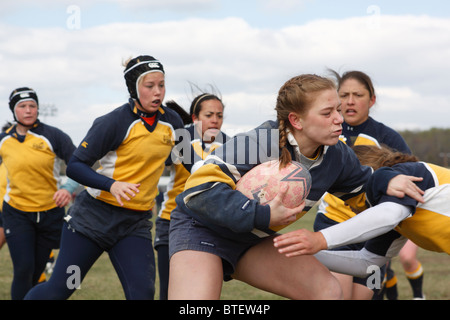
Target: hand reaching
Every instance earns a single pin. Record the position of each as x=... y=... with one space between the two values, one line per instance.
x=62 y=197
x=300 y=242
x=402 y=185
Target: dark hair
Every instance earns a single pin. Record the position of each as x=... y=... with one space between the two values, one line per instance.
x=377 y=157
x=6 y=126
x=359 y=76
x=196 y=105
x=187 y=119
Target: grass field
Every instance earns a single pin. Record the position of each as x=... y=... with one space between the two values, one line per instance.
x=102 y=283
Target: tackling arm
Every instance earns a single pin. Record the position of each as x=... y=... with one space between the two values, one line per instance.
x=366 y=225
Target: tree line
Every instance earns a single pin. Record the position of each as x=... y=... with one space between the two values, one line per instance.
x=429 y=146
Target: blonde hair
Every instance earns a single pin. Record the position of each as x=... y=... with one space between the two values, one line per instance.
x=377 y=157
x=296 y=95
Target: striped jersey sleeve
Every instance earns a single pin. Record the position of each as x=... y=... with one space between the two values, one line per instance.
x=210 y=194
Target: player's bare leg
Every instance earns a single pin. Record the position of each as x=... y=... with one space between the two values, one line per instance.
x=302 y=277
x=195 y=275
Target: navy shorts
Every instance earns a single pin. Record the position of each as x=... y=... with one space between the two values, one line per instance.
x=106 y=224
x=187 y=233
x=161 y=232
x=47 y=225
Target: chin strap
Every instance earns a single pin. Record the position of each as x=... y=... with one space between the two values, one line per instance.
x=17 y=135
x=139 y=112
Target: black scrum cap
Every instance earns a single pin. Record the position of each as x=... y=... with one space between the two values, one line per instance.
x=137 y=68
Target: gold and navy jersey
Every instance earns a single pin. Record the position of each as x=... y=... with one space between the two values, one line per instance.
x=129 y=149
x=210 y=194
x=429 y=224
x=33 y=164
x=371 y=132
x=2 y=184
x=178 y=173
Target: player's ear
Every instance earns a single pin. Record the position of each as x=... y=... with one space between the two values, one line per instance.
x=295 y=121
x=372 y=101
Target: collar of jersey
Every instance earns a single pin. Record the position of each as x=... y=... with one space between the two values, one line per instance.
x=21 y=138
x=140 y=113
x=358 y=128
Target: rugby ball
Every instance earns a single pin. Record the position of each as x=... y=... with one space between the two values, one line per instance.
x=263 y=182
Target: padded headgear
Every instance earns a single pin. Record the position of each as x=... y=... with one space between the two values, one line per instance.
x=137 y=68
x=20 y=95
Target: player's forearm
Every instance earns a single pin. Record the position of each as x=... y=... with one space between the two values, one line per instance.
x=366 y=225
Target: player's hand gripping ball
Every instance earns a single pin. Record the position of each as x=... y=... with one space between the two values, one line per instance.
x=263 y=182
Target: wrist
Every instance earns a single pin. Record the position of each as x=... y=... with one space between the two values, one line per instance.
x=322 y=242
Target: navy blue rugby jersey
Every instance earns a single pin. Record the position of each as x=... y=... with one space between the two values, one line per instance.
x=210 y=194
x=371 y=132
x=129 y=149
x=197 y=151
x=33 y=165
x=429 y=223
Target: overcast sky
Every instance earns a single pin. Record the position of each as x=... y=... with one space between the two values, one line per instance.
x=71 y=53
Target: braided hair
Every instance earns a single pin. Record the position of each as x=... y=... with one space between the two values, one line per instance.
x=296 y=95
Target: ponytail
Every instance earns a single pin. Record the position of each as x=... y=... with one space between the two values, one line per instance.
x=187 y=119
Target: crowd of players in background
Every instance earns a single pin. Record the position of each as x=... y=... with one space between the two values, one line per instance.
x=204 y=233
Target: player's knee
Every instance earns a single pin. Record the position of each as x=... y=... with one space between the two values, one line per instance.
x=324 y=290
x=330 y=290
x=334 y=291
x=408 y=260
